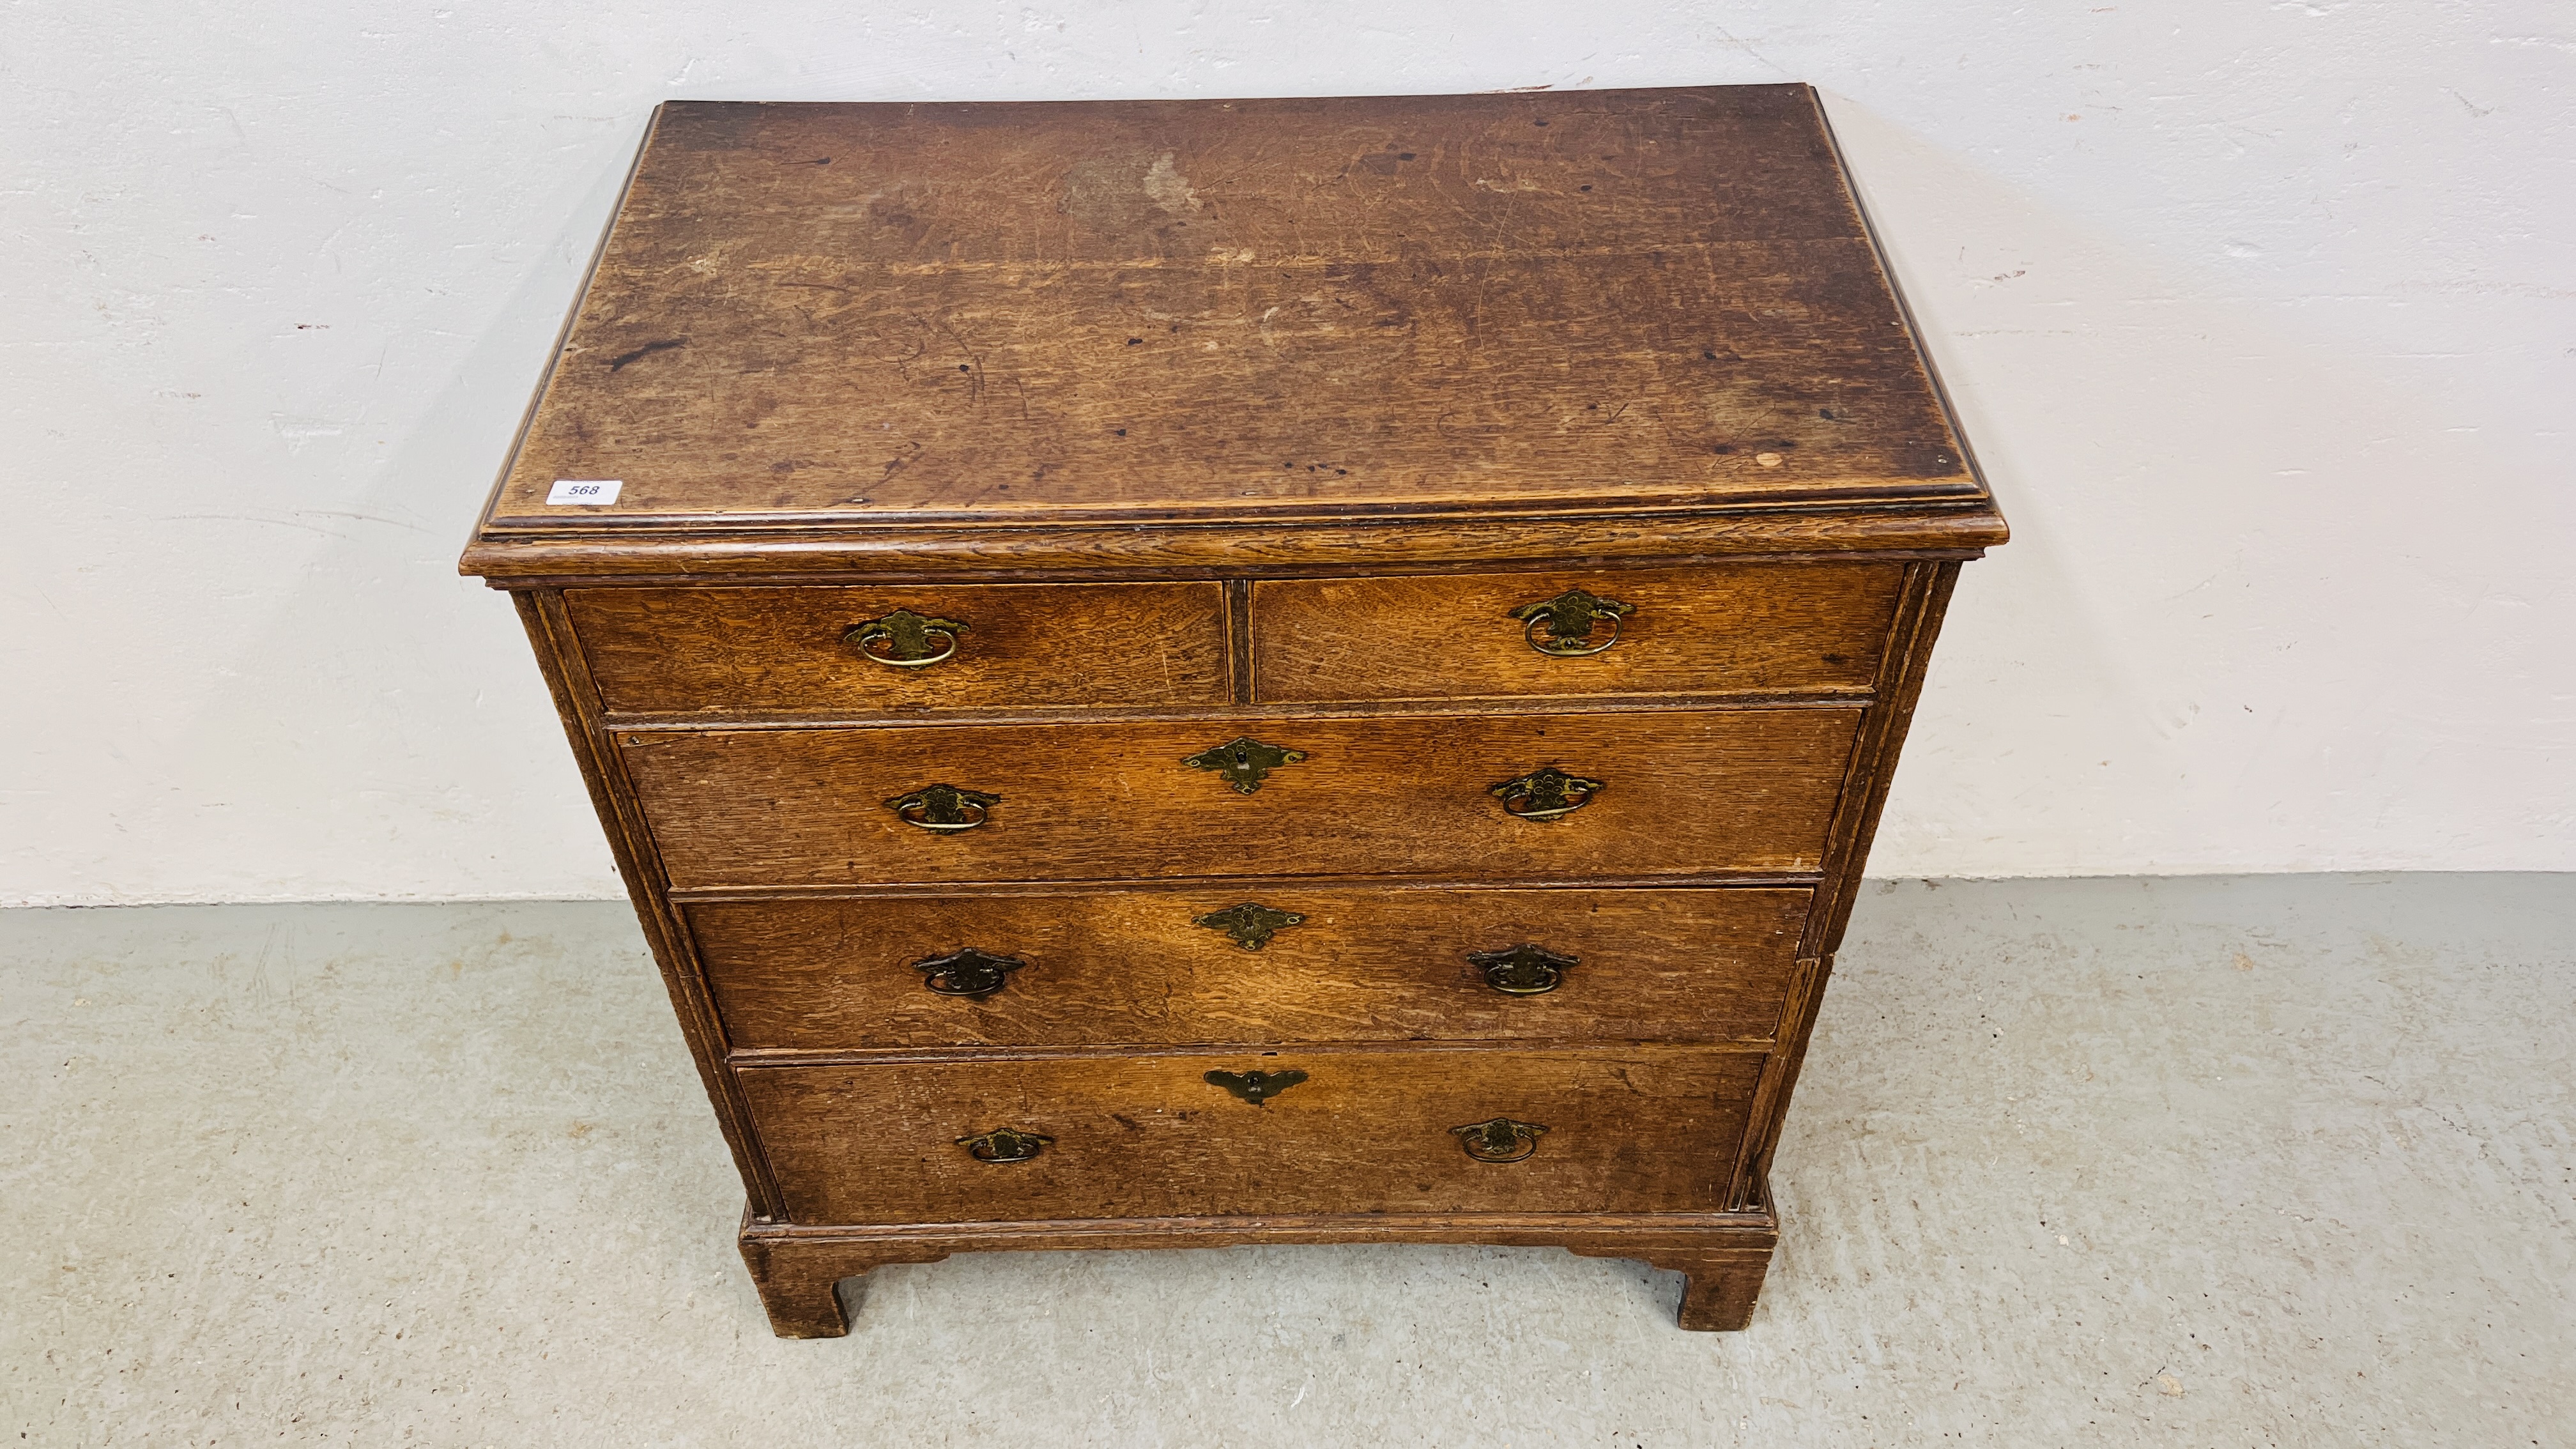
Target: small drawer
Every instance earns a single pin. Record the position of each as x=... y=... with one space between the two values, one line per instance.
x=1679 y=793
x=1617 y=1130
x=1739 y=629
x=1256 y=964
x=862 y=651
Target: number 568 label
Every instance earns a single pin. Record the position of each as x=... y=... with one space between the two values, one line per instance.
x=591 y=491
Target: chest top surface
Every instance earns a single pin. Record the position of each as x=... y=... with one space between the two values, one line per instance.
x=811 y=319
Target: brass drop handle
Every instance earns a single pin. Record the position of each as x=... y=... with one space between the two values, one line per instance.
x=905 y=640
x=1524 y=970
x=1549 y=794
x=943 y=807
x=1005 y=1144
x=1255 y=1087
x=1562 y=627
x=1500 y=1140
x=969 y=973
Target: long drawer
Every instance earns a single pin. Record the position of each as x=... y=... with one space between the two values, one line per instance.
x=889 y=648
x=1741 y=628
x=1623 y=1130
x=1680 y=793
x=1250 y=965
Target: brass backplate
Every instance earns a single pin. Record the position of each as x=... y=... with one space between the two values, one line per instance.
x=1256 y=1087
x=1244 y=761
x=1005 y=1144
x=1250 y=925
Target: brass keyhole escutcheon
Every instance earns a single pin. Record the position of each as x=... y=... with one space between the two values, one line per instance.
x=1250 y=925
x=1244 y=761
x=1256 y=1087
x=1562 y=627
x=943 y=807
x=1500 y=1140
x=905 y=640
x=1005 y=1144
x=1549 y=794
x=969 y=973
x=1524 y=970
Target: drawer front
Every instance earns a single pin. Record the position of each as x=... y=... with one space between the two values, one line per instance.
x=1683 y=793
x=1776 y=628
x=749 y=651
x=1628 y=1130
x=1192 y=967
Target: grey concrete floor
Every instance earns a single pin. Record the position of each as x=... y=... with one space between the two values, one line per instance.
x=2248 y=1161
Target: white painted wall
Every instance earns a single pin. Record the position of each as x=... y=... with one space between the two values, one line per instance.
x=2262 y=317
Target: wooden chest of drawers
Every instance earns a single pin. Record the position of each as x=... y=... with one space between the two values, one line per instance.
x=1179 y=674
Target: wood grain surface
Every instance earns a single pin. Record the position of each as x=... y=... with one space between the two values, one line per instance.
x=1364 y=965
x=1282 y=308
x=718 y=651
x=1689 y=792
x=1630 y=1130
x=1714 y=630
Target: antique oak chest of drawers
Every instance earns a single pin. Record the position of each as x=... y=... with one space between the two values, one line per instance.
x=1200 y=673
